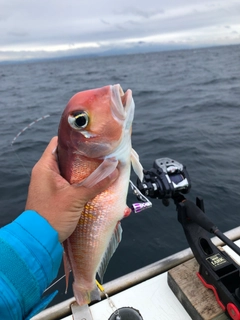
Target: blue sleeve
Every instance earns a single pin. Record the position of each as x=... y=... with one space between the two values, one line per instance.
x=30 y=256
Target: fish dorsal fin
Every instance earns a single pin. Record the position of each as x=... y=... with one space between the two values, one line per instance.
x=102 y=171
x=112 y=246
x=137 y=167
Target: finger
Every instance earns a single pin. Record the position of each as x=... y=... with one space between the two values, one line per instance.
x=51 y=147
x=48 y=157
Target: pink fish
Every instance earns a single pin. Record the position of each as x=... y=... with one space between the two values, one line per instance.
x=95 y=138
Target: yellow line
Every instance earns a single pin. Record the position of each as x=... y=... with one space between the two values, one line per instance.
x=100 y=286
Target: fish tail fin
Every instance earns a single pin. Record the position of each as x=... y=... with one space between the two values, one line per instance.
x=83 y=296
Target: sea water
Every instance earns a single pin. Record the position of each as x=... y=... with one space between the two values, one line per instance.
x=187 y=108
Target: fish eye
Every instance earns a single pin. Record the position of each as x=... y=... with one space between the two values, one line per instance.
x=79 y=120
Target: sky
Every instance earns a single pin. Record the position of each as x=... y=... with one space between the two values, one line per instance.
x=54 y=28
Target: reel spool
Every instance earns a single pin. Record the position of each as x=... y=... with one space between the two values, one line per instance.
x=126 y=313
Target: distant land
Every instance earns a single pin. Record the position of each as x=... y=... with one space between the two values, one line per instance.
x=139 y=48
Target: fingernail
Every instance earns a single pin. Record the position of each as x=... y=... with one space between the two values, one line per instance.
x=54 y=150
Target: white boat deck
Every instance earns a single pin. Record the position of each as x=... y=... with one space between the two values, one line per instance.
x=152 y=298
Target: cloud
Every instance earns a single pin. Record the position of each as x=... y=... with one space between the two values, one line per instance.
x=65 y=26
x=137 y=12
x=105 y=22
x=18 y=34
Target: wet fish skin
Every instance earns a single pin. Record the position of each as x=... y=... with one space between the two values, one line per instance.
x=86 y=155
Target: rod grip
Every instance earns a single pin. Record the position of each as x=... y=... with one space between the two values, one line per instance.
x=198 y=216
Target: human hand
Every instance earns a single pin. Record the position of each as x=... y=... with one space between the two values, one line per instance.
x=51 y=196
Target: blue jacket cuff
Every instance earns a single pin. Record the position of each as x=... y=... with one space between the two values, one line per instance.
x=30 y=258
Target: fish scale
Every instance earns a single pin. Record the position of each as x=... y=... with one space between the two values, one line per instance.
x=90 y=149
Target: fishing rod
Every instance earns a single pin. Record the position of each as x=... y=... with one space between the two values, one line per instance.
x=168 y=179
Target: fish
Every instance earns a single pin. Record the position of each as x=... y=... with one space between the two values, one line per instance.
x=94 y=138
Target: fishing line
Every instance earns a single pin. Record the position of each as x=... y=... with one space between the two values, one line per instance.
x=19 y=133
x=53 y=284
x=110 y=301
x=20 y=160
x=27 y=127
x=136 y=207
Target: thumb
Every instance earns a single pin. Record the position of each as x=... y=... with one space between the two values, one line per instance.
x=49 y=158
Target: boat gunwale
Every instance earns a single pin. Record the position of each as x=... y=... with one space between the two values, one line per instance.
x=131 y=279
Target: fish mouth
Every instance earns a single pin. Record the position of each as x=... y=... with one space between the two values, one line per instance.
x=121 y=102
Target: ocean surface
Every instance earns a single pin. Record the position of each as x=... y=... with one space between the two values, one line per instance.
x=187 y=108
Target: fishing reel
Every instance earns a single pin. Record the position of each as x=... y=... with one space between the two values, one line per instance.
x=165 y=180
x=217 y=270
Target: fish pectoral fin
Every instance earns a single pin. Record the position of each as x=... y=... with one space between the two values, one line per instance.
x=103 y=171
x=137 y=167
x=111 y=248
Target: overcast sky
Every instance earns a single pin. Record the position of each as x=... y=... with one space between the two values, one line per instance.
x=40 y=28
